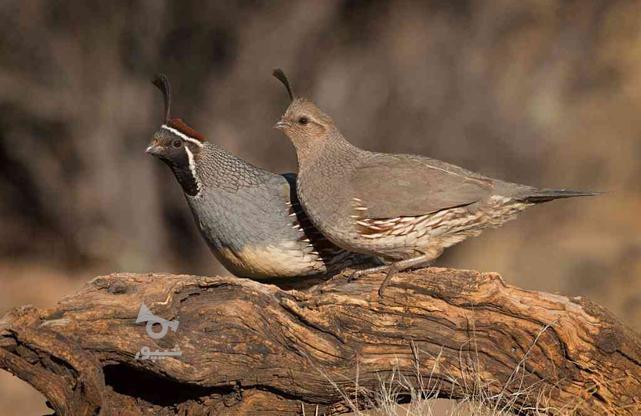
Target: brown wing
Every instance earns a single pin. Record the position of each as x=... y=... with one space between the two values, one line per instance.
x=392 y=186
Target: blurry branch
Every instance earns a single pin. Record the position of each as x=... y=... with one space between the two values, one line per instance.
x=241 y=347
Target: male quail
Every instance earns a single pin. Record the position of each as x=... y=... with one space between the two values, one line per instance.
x=250 y=218
x=404 y=208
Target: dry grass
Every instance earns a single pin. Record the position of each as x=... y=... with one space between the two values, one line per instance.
x=402 y=394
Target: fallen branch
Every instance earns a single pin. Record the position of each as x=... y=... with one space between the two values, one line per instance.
x=242 y=347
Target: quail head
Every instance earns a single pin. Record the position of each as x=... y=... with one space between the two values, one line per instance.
x=250 y=218
x=404 y=208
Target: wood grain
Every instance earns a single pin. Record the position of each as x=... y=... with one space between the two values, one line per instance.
x=252 y=348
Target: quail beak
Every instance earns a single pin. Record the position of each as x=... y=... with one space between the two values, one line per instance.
x=153 y=149
x=282 y=124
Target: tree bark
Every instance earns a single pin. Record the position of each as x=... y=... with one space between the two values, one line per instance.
x=252 y=348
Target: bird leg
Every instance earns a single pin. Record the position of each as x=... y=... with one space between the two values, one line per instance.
x=360 y=273
x=398 y=266
x=423 y=260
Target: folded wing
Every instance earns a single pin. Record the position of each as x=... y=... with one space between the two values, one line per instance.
x=392 y=186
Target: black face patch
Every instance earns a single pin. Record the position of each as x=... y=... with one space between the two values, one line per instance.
x=173 y=151
x=180 y=166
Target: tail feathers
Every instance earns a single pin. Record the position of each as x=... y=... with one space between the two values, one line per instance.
x=545 y=195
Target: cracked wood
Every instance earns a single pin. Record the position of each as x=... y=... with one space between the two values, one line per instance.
x=251 y=348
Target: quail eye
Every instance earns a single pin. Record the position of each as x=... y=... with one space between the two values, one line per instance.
x=303 y=120
x=177 y=143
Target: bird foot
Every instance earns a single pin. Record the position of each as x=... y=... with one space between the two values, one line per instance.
x=388 y=279
x=355 y=275
x=403 y=265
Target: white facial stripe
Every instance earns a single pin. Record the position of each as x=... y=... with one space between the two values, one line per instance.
x=192 y=168
x=182 y=135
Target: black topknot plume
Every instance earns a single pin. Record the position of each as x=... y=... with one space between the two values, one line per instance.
x=162 y=83
x=280 y=75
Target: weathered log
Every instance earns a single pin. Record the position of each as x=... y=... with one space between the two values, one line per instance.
x=251 y=348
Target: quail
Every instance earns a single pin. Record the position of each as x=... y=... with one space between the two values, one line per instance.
x=250 y=218
x=403 y=208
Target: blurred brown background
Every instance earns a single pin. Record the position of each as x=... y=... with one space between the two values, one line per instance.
x=539 y=92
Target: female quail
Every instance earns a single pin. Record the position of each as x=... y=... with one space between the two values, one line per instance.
x=404 y=208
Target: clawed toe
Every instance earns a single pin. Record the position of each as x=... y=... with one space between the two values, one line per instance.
x=386 y=281
x=358 y=274
x=352 y=277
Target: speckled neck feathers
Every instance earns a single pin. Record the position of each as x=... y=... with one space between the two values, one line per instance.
x=219 y=169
